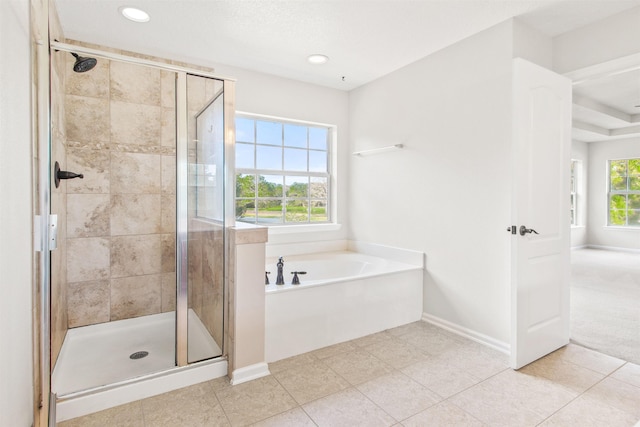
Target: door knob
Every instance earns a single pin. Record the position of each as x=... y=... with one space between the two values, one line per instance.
x=524 y=230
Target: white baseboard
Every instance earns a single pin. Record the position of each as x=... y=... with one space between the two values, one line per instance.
x=151 y=386
x=248 y=373
x=614 y=248
x=467 y=333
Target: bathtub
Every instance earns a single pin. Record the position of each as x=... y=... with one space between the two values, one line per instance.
x=344 y=295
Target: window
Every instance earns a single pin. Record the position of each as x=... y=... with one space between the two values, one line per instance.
x=574 y=192
x=282 y=171
x=624 y=193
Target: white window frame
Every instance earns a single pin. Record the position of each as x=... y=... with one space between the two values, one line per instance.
x=575 y=185
x=330 y=175
x=626 y=192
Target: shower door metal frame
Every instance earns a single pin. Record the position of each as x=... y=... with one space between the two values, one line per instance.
x=42 y=144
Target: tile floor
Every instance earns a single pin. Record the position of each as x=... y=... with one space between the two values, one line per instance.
x=414 y=375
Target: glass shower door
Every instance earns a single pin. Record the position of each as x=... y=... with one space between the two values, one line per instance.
x=205 y=217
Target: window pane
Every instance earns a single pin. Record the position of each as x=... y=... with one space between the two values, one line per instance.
x=319 y=211
x=295 y=159
x=618 y=174
x=634 y=167
x=270 y=186
x=245 y=210
x=295 y=136
x=319 y=188
x=297 y=186
x=633 y=218
x=269 y=157
x=634 y=183
x=244 y=156
x=318 y=138
x=297 y=211
x=633 y=201
x=245 y=185
x=245 y=130
x=318 y=161
x=617 y=210
x=269 y=133
x=270 y=211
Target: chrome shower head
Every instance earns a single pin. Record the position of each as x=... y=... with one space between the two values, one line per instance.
x=83 y=64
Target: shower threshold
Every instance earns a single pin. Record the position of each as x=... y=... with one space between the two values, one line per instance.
x=107 y=353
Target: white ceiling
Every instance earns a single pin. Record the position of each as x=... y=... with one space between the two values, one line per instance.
x=364 y=39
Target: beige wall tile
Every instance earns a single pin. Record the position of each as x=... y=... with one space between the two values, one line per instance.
x=94 y=83
x=168 y=88
x=168 y=213
x=87 y=119
x=135 y=173
x=168 y=174
x=135 y=255
x=168 y=133
x=135 y=123
x=196 y=93
x=95 y=165
x=88 y=303
x=168 y=292
x=88 y=215
x=135 y=83
x=135 y=296
x=168 y=253
x=135 y=214
x=88 y=259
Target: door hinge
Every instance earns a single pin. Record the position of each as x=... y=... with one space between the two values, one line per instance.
x=51 y=233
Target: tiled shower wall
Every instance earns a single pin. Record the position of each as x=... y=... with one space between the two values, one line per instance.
x=120 y=131
x=58 y=277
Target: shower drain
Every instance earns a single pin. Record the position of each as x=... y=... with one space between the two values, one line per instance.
x=139 y=355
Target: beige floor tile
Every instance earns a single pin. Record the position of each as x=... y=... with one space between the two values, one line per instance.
x=513 y=395
x=412 y=327
x=292 y=362
x=192 y=406
x=436 y=374
x=311 y=381
x=254 y=401
x=432 y=341
x=334 y=350
x=347 y=408
x=397 y=353
x=294 y=418
x=490 y=406
x=476 y=359
x=399 y=395
x=618 y=394
x=565 y=373
x=381 y=338
x=129 y=415
x=629 y=373
x=588 y=358
x=443 y=414
x=588 y=412
x=358 y=366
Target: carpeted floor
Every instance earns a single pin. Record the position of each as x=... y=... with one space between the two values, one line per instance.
x=605 y=302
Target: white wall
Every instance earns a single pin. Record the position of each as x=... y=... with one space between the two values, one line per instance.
x=610 y=38
x=448 y=192
x=580 y=152
x=260 y=93
x=15 y=216
x=598 y=233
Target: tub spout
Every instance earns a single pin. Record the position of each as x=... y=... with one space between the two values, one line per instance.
x=280 y=278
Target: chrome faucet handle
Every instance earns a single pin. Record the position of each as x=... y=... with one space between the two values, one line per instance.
x=266 y=277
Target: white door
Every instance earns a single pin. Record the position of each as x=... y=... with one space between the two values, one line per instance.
x=540 y=263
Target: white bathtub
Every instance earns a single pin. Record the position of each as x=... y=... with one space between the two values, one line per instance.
x=344 y=295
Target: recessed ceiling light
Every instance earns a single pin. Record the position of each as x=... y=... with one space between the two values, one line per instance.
x=317 y=58
x=133 y=14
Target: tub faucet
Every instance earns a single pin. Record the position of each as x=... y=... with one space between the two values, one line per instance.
x=280 y=278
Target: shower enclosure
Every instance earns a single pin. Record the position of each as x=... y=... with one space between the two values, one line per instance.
x=137 y=283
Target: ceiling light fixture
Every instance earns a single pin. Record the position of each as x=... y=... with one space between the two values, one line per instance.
x=133 y=14
x=317 y=58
